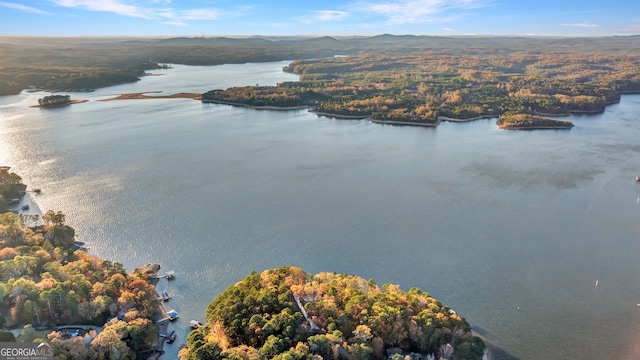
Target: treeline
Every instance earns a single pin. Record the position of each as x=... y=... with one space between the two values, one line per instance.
x=46 y=281
x=15 y=79
x=348 y=317
x=280 y=96
x=68 y=64
x=74 y=63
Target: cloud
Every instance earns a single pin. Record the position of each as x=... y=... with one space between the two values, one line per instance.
x=447 y=29
x=200 y=14
x=21 y=7
x=175 y=23
x=581 y=25
x=632 y=29
x=325 y=15
x=330 y=15
x=113 y=6
x=153 y=10
x=421 y=11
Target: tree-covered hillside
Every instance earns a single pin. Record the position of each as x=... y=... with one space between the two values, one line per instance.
x=46 y=281
x=346 y=317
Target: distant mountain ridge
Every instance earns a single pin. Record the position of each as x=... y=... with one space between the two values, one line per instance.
x=424 y=42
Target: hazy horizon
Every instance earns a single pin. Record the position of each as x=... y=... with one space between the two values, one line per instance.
x=305 y=36
x=170 y=18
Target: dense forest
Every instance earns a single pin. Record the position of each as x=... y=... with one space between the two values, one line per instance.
x=46 y=282
x=425 y=87
x=344 y=316
x=89 y=63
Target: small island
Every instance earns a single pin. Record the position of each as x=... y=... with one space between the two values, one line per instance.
x=57 y=101
x=287 y=313
x=516 y=121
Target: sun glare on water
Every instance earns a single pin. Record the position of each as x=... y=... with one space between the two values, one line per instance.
x=6 y=141
x=4 y=136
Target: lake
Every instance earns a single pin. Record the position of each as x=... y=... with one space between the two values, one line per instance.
x=512 y=229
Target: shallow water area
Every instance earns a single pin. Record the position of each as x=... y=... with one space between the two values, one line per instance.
x=509 y=228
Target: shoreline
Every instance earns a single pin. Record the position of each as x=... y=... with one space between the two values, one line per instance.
x=534 y=127
x=552 y=115
x=159 y=316
x=590 y=111
x=404 y=123
x=450 y=119
x=256 y=107
x=338 y=116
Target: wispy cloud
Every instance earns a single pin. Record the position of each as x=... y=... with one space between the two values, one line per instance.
x=324 y=15
x=447 y=29
x=153 y=10
x=113 y=6
x=21 y=7
x=420 y=11
x=583 y=25
x=633 y=29
x=175 y=23
x=330 y=15
x=200 y=14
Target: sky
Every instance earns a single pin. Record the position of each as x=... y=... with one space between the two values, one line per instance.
x=320 y=17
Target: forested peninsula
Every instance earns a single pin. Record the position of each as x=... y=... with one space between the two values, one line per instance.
x=511 y=121
x=426 y=88
x=52 y=291
x=419 y=80
x=287 y=313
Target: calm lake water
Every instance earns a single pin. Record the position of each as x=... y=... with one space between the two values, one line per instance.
x=512 y=229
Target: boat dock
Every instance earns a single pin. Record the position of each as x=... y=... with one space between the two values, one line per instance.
x=169 y=275
x=164 y=296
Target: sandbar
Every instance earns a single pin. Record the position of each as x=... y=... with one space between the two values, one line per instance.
x=141 y=95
